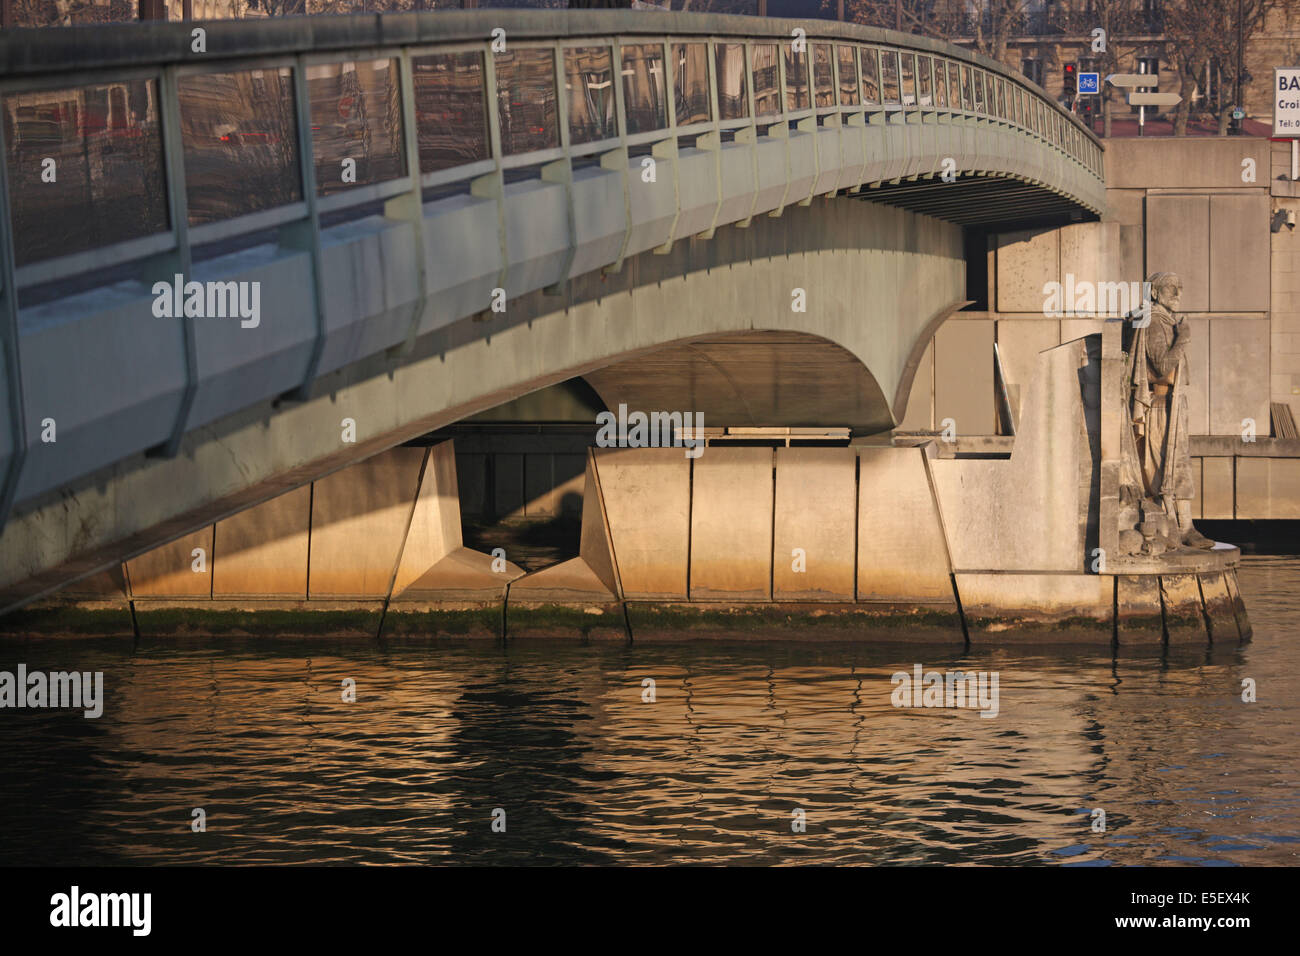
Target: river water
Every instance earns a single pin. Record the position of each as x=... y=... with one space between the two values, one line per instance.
x=558 y=737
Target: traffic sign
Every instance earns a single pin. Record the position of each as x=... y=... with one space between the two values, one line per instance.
x=1154 y=99
x=1286 y=102
x=1149 y=80
x=1089 y=84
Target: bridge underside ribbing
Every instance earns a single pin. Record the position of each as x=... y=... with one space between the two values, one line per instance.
x=989 y=202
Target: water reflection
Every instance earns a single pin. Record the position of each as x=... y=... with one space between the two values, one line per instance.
x=558 y=736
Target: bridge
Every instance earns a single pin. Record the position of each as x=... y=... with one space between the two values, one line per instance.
x=236 y=257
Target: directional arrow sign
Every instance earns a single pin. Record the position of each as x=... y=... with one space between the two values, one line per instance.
x=1150 y=80
x=1154 y=99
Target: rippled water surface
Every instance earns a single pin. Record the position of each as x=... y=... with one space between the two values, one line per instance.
x=556 y=735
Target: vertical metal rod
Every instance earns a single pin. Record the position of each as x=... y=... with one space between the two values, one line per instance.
x=11 y=343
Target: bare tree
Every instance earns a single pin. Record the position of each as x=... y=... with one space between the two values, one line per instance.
x=1206 y=32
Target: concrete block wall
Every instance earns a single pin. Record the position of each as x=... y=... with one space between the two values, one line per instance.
x=386 y=528
x=1202 y=207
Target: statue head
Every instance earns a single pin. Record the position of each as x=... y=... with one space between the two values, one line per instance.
x=1166 y=288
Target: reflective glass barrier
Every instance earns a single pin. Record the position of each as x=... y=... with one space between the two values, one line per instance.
x=240 y=142
x=643 y=87
x=767 y=95
x=733 y=82
x=526 y=99
x=85 y=163
x=450 y=110
x=589 y=92
x=823 y=76
x=796 y=78
x=85 y=168
x=691 y=83
x=356 y=124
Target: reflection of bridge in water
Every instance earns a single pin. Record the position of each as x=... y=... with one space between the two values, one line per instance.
x=380 y=177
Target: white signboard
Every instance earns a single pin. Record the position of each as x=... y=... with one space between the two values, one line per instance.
x=1286 y=102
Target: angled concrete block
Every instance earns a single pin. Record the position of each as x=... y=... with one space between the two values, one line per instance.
x=1199 y=363
x=1026 y=261
x=1178 y=240
x=461 y=576
x=1027 y=513
x=647 y=493
x=1219 y=609
x=359 y=520
x=1237 y=389
x=1238 y=605
x=1138 y=617
x=591 y=576
x=1268 y=487
x=920 y=400
x=106 y=586
x=1216 y=488
x=731 y=525
x=434 y=565
x=901 y=552
x=1239 y=255
x=264 y=549
x=963 y=376
x=537 y=235
x=168 y=570
x=816 y=508
x=1019 y=343
x=1090 y=252
x=1184 y=620
x=1006 y=608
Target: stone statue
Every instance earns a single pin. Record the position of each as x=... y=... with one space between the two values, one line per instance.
x=1156 y=486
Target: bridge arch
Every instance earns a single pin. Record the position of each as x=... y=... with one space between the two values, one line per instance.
x=370 y=295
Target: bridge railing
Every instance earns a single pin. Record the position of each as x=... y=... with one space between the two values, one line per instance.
x=143 y=152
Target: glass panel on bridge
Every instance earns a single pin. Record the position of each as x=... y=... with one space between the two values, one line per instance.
x=940 y=84
x=356 y=123
x=526 y=102
x=767 y=96
x=990 y=97
x=691 y=83
x=954 y=86
x=870 y=76
x=240 y=140
x=796 y=78
x=733 y=83
x=823 y=76
x=643 y=88
x=909 y=79
x=967 y=96
x=979 y=91
x=1002 y=99
x=85 y=168
x=848 y=75
x=450 y=110
x=589 y=87
x=889 y=76
x=924 y=88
